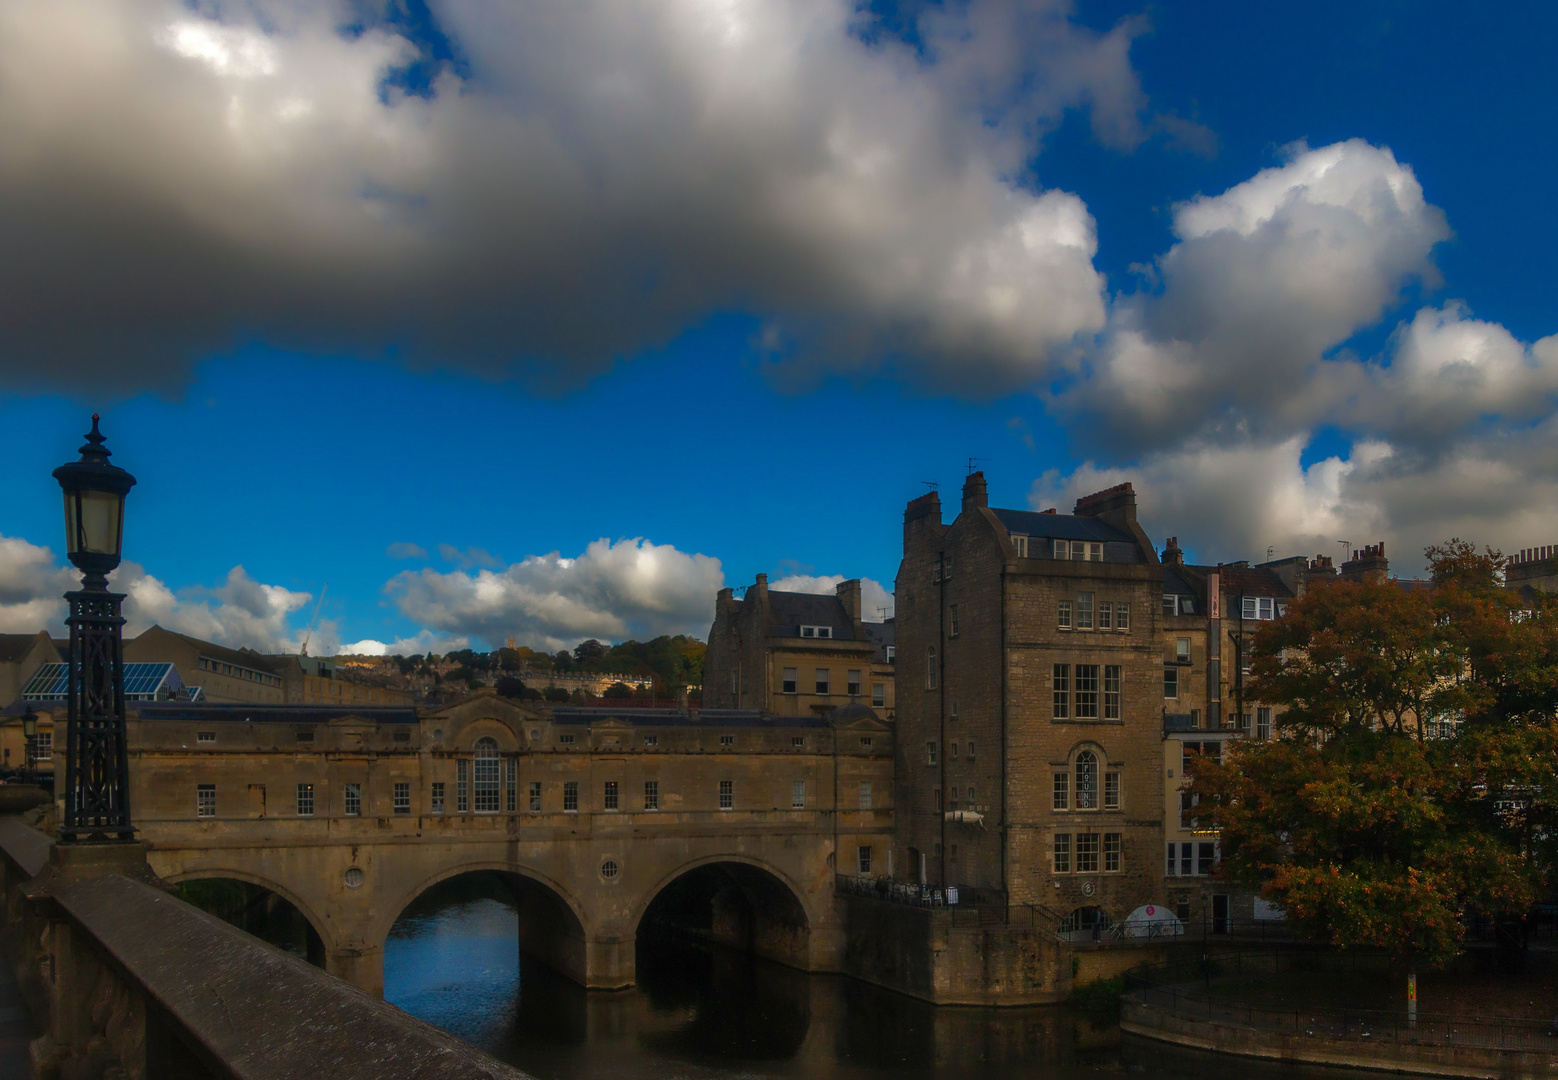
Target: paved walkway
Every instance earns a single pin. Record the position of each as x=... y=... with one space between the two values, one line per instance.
x=15 y=1029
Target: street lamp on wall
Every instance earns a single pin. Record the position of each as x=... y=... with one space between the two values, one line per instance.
x=97 y=763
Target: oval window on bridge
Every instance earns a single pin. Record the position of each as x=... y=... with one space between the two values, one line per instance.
x=608 y=869
x=486 y=776
x=353 y=877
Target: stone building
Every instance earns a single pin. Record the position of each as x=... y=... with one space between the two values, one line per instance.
x=240 y=676
x=20 y=656
x=797 y=654
x=1031 y=702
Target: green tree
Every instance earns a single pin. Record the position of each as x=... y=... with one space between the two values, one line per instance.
x=618 y=691
x=1414 y=777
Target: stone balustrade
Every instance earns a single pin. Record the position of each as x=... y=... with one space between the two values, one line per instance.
x=125 y=980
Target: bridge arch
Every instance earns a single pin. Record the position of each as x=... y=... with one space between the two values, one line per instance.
x=552 y=927
x=733 y=900
x=321 y=928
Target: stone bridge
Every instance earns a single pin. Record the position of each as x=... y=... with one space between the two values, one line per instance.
x=598 y=820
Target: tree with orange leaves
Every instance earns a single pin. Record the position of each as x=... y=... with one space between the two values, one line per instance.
x=1416 y=773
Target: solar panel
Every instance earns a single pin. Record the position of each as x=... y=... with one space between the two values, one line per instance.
x=142 y=682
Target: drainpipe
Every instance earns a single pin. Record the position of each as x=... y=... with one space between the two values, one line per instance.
x=941 y=695
x=1006 y=833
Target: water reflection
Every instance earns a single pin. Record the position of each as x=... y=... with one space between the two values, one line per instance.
x=697 y=1013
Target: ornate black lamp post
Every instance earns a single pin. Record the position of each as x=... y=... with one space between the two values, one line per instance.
x=97 y=762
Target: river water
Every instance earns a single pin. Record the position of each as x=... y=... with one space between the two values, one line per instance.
x=702 y=1013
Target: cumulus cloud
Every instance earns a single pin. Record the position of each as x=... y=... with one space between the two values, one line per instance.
x=239 y=612
x=875 y=599
x=419 y=644
x=614 y=590
x=589 y=180
x=403 y=550
x=1265 y=280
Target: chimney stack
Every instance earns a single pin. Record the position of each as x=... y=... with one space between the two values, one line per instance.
x=974 y=494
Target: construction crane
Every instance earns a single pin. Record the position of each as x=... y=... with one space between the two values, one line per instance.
x=309 y=636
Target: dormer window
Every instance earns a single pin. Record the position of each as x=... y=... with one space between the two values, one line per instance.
x=1174 y=604
x=1021 y=544
x=1262 y=608
x=816 y=631
x=1077 y=550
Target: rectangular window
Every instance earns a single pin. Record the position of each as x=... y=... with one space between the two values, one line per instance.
x=854 y=683
x=609 y=796
x=1084 y=611
x=952 y=621
x=205 y=736
x=651 y=794
x=879 y=695
x=970 y=749
x=43 y=746
x=1020 y=543
x=401 y=797
x=1105 y=615
x=735 y=682
x=571 y=797
x=1112 y=846
x=353 y=800
x=1063 y=790
x=822 y=680
x=727 y=741
x=205 y=800
x=954 y=756
x=865 y=794
x=437 y=797
x=1187 y=802
x=1060 y=685
x=1111 y=691
x=1258 y=607
x=1063 y=615
x=535 y=796
x=1206 y=859
x=930 y=752
x=1087 y=853
x=937 y=792
x=1170 y=682
x=931 y=673
x=1062 y=853
x=651 y=740
x=790 y=681
x=566 y=740
x=1086 y=697
x=510 y=785
x=727 y=794
x=1182 y=650
x=867 y=741
x=1187 y=866
x=971 y=799
x=1111 y=791
x=952 y=799
x=1061 y=549
x=1122 y=616
x=863 y=859
x=1169 y=605
x=798 y=742
x=305 y=800
x=797 y=794
x=892 y=653
x=1263 y=723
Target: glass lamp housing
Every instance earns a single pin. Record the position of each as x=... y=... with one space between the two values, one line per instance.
x=94 y=506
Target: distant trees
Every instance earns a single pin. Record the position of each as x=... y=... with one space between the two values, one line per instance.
x=555 y=694
x=1416 y=776
x=668 y=663
x=510 y=686
x=617 y=691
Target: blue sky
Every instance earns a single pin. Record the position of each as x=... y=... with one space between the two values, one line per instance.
x=613 y=352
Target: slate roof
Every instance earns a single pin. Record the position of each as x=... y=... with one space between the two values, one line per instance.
x=1249 y=580
x=1061 y=527
x=792 y=610
x=244 y=657
x=1182 y=584
x=881 y=635
x=273 y=714
x=584 y=715
x=14 y=647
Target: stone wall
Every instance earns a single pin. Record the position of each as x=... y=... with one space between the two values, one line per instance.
x=949 y=958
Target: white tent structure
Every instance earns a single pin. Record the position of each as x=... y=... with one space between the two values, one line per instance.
x=1153 y=921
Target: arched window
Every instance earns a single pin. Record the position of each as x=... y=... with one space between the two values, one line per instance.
x=930 y=668
x=486 y=770
x=1087 y=780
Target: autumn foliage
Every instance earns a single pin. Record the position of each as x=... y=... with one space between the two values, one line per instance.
x=1415 y=772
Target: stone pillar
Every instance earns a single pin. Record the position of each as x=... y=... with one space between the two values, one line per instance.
x=610 y=963
x=360 y=965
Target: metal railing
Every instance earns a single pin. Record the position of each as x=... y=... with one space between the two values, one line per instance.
x=965 y=904
x=1170 y=987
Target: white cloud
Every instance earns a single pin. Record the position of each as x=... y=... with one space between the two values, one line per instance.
x=874 y=597
x=419 y=644
x=403 y=550
x=600 y=175
x=613 y=591
x=239 y=612
x=1266 y=279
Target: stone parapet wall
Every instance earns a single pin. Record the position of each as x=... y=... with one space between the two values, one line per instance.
x=126 y=980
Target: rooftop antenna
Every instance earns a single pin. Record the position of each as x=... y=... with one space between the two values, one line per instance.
x=1346 y=547
x=971 y=463
x=303 y=651
x=932 y=484
x=882 y=612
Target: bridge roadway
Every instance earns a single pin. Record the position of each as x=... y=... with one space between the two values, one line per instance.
x=590 y=817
